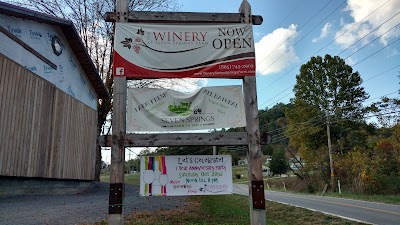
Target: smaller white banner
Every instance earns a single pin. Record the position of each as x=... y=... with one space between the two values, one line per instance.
x=185 y=175
x=168 y=110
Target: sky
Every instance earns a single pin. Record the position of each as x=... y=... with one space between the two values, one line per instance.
x=365 y=33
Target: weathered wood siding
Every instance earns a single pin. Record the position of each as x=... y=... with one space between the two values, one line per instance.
x=43 y=131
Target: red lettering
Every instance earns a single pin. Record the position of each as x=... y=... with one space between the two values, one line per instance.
x=158 y=35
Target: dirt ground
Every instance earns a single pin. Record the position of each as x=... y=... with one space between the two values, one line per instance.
x=85 y=208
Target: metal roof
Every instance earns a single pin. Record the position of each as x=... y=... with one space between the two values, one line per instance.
x=72 y=36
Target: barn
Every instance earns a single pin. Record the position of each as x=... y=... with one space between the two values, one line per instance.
x=49 y=90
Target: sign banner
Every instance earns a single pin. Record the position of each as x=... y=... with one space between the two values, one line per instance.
x=177 y=51
x=150 y=109
x=185 y=175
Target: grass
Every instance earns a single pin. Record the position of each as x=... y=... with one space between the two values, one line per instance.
x=133 y=178
x=232 y=210
x=240 y=170
x=390 y=199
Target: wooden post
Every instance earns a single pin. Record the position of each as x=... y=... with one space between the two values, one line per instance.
x=115 y=210
x=254 y=153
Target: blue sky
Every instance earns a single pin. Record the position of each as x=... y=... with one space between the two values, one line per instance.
x=293 y=30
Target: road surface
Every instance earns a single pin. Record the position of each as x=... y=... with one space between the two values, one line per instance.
x=363 y=211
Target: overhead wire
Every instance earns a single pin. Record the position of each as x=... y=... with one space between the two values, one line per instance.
x=294 y=33
x=304 y=36
x=354 y=25
x=338 y=36
x=375 y=52
x=339 y=120
x=316 y=117
x=371 y=33
x=291 y=12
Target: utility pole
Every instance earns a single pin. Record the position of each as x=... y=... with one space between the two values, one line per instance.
x=328 y=131
x=129 y=154
x=214 y=150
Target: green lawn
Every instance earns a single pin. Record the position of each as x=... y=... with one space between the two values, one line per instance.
x=390 y=199
x=240 y=171
x=133 y=178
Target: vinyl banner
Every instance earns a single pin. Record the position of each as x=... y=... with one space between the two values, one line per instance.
x=185 y=175
x=150 y=109
x=177 y=51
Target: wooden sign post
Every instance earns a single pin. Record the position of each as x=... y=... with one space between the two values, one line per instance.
x=115 y=210
x=254 y=153
x=119 y=139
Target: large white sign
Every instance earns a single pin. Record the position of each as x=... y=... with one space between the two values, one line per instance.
x=185 y=175
x=176 y=51
x=168 y=110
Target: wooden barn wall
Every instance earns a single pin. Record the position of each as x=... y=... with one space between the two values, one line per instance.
x=43 y=131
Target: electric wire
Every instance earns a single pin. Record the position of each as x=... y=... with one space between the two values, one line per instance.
x=335 y=121
x=304 y=36
x=294 y=33
x=371 y=33
x=329 y=43
x=304 y=61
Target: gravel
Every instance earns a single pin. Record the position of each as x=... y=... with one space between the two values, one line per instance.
x=77 y=209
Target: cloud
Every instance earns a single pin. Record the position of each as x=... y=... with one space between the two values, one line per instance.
x=271 y=55
x=394 y=52
x=361 y=8
x=324 y=32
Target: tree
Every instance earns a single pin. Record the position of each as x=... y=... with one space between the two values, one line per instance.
x=330 y=85
x=324 y=87
x=387 y=111
x=97 y=36
x=279 y=162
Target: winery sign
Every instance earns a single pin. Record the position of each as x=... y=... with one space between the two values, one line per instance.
x=167 y=110
x=177 y=51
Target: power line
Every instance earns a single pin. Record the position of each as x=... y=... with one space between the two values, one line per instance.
x=291 y=12
x=281 y=138
x=277 y=95
x=316 y=117
x=375 y=52
x=339 y=120
x=372 y=32
x=294 y=33
x=326 y=45
x=372 y=40
x=296 y=124
x=365 y=117
x=304 y=36
x=381 y=73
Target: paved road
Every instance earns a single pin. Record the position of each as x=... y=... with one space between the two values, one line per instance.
x=368 y=212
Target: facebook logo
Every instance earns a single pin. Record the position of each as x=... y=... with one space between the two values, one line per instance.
x=119 y=71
